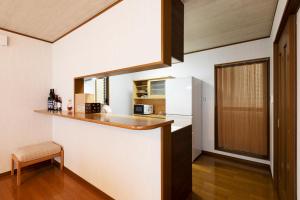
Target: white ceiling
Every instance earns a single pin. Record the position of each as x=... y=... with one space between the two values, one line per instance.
x=48 y=19
x=208 y=23
x=214 y=23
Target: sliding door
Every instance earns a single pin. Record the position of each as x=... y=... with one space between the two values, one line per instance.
x=242 y=108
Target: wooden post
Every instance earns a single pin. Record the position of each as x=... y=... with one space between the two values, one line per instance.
x=62 y=160
x=12 y=166
x=18 y=173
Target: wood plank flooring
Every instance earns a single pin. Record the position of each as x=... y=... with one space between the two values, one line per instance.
x=220 y=179
x=46 y=182
x=213 y=179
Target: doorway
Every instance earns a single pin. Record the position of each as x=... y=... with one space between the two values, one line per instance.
x=285 y=110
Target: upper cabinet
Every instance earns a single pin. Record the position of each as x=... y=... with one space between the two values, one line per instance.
x=172 y=32
x=177 y=31
x=150 y=88
x=157 y=88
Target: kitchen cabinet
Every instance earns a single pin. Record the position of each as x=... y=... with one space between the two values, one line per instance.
x=152 y=92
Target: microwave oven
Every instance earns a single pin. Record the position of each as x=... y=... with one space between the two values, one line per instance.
x=143 y=109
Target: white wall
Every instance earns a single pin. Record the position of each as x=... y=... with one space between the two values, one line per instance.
x=201 y=66
x=128 y=34
x=120 y=94
x=25 y=80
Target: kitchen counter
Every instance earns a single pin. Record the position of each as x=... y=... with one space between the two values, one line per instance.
x=179 y=122
x=103 y=141
x=128 y=122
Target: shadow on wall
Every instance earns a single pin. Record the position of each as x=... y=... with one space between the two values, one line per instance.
x=208 y=102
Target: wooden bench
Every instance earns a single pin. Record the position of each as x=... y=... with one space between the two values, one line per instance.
x=33 y=154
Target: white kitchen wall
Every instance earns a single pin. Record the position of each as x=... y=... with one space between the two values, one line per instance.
x=128 y=34
x=25 y=80
x=201 y=66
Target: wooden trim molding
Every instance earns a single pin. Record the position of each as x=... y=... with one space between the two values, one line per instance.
x=25 y=35
x=251 y=61
x=30 y=167
x=226 y=45
x=166 y=32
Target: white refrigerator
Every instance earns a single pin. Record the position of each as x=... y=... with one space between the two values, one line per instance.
x=184 y=106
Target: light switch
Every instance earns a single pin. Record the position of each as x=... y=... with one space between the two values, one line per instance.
x=3 y=40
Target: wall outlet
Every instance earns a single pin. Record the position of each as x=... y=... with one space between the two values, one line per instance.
x=3 y=40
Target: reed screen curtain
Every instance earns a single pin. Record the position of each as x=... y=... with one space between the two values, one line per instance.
x=242 y=108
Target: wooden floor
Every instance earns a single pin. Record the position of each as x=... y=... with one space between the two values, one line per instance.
x=220 y=179
x=46 y=182
x=213 y=179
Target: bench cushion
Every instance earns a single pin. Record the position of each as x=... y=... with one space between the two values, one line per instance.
x=32 y=152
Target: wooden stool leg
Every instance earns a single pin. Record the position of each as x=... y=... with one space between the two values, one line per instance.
x=62 y=160
x=18 y=173
x=12 y=165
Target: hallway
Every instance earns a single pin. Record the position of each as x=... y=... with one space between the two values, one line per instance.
x=220 y=179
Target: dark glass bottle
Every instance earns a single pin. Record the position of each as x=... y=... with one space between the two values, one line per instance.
x=59 y=104
x=55 y=103
x=49 y=103
x=51 y=100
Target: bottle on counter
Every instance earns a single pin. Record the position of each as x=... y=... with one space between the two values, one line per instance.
x=59 y=104
x=49 y=103
x=55 y=103
x=70 y=106
x=51 y=100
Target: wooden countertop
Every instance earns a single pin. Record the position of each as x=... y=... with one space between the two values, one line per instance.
x=121 y=121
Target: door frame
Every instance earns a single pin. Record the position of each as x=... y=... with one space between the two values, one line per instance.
x=291 y=10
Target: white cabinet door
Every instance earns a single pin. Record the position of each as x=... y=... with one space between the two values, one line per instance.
x=179 y=96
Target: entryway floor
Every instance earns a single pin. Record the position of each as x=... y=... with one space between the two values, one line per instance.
x=221 y=179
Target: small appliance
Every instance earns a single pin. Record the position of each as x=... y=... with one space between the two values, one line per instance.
x=143 y=109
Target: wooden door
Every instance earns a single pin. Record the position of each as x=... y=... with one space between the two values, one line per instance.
x=285 y=102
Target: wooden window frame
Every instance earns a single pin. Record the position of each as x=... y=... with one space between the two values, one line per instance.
x=234 y=64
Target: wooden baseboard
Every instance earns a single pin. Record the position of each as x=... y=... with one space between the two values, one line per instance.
x=75 y=176
x=5 y=174
x=31 y=167
x=238 y=160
